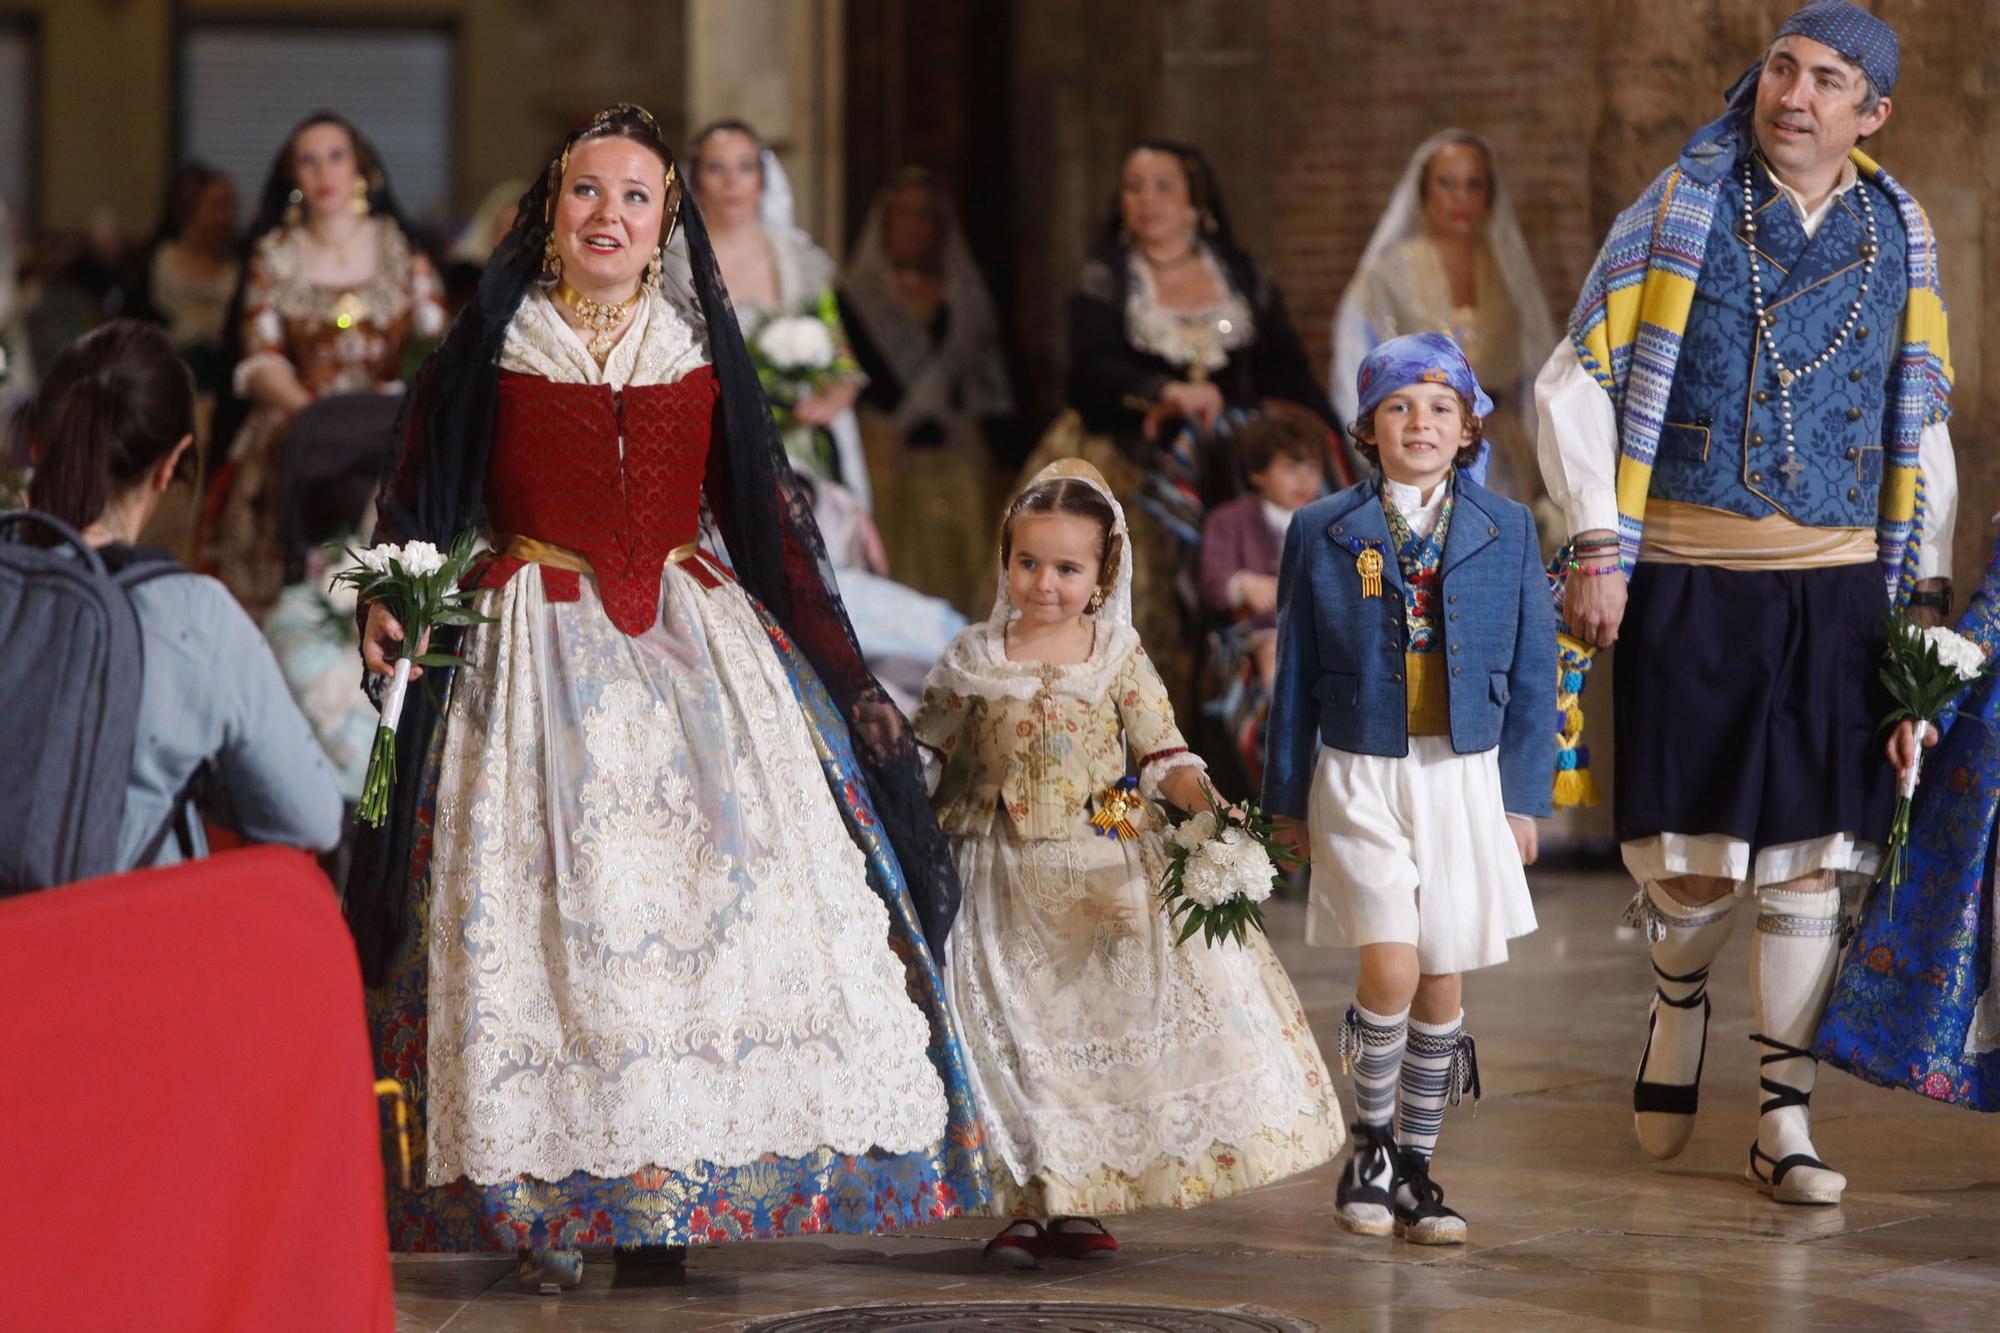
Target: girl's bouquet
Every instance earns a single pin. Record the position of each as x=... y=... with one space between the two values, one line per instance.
x=418 y=585
x=1220 y=865
x=796 y=355
x=1923 y=670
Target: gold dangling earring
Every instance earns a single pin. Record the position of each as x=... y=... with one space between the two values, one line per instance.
x=551 y=261
x=293 y=210
x=654 y=268
x=359 y=204
x=1095 y=604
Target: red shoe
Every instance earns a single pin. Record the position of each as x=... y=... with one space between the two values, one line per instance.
x=1081 y=1238
x=1022 y=1243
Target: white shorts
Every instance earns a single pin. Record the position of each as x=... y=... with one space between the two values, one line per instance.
x=1416 y=851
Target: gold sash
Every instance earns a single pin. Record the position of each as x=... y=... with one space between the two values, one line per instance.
x=1677 y=533
x=1428 y=694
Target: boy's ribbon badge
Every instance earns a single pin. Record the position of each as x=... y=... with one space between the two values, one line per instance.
x=1368 y=564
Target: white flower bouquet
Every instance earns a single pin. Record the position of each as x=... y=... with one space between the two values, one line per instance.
x=418 y=585
x=796 y=355
x=1923 y=669
x=1220 y=866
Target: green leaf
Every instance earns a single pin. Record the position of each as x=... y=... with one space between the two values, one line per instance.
x=440 y=660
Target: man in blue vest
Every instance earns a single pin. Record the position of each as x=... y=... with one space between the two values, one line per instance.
x=1746 y=430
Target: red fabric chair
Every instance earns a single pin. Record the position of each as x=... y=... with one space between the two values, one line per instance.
x=188 y=1136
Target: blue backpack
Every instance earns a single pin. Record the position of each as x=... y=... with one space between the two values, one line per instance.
x=73 y=660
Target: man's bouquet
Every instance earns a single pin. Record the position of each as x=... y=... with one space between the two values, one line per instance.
x=418 y=585
x=1923 y=669
x=1220 y=865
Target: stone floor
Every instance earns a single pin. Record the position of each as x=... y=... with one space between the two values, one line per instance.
x=1572 y=1227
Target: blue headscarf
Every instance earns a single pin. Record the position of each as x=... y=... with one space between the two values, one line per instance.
x=1850 y=30
x=1422 y=358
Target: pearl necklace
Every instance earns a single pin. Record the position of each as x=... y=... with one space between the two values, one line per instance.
x=1766 y=321
x=602 y=318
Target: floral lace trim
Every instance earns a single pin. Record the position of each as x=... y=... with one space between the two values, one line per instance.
x=1155 y=767
x=1186 y=337
x=384 y=296
x=661 y=348
x=630 y=968
x=976 y=665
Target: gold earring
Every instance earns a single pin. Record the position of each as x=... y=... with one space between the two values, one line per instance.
x=1095 y=604
x=359 y=204
x=653 y=269
x=293 y=213
x=551 y=261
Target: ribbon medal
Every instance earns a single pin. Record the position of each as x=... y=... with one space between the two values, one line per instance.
x=1116 y=805
x=1368 y=564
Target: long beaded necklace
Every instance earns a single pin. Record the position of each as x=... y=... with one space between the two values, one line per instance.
x=1766 y=321
x=602 y=318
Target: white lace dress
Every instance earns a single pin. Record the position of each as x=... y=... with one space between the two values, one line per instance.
x=1114 y=1071
x=652 y=940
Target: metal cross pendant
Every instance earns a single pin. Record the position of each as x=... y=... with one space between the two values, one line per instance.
x=1791 y=469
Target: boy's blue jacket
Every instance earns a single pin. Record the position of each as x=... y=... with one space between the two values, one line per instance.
x=1340 y=655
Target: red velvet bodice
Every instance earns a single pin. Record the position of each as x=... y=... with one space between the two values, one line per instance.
x=614 y=476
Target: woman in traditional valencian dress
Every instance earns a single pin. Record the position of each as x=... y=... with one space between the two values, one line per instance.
x=1447 y=257
x=773 y=270
x=923 y=329
x=1174 y=331
x=333 y=292
x=1917 y=1005
x=651 y=925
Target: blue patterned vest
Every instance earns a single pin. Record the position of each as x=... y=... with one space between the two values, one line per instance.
x=1723 y=442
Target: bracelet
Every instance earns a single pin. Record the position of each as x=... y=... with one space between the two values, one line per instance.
x=1594 y=570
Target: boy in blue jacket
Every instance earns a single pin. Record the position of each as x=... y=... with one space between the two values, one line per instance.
x=1413 y=728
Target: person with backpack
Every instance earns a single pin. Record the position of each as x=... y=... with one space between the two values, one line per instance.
x=139 y=692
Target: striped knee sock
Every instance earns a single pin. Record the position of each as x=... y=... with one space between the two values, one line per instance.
x=1371 y=1048
x=1426 y=1083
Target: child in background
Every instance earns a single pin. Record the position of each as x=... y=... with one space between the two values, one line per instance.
x=1284 y=458
x=1114 y=1071
x=1412 y=726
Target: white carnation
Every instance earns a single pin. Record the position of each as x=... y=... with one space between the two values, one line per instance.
x=796 y=342
x=1195 y=830
x=1207 y=880
x=376 y=558
x=1958 y=654
x=421 y=559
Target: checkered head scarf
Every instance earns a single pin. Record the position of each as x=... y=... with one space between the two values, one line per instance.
x=1855 y=33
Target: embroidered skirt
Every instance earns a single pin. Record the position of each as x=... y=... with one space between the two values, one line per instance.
x=1416 y=851
x=668 y=984
x=1116 y=1071
x=1747 y=704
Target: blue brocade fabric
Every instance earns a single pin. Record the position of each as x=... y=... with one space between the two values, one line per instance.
x=1905 y=998
x=770 y=1198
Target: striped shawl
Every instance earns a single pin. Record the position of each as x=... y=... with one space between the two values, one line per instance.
x=1628 y=323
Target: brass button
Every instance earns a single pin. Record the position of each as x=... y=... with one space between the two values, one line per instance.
x=1756 y=476
x=1493 y=532
x=1854 y=414
x=1854 y=375
x=1862 y=333
x=1337 y=528
x=1395 y=678
x=1763 y=395
x=1757 y=437
x=1456 y=671
x=1853 y=453
x=1454 y=649
x=1453 y=599
x=1454 y=617
x=1853 y=494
